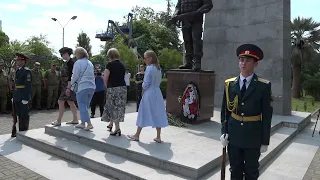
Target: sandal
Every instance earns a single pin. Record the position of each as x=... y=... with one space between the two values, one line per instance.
x=56 y=123
x=88 y=128
x=133 y=138
x=157 y=140
x=72 y=122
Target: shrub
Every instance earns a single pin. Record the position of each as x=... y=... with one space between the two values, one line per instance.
x=312 y=85
x=132 y=91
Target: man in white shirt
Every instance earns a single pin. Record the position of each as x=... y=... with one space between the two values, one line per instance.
x=127 y=77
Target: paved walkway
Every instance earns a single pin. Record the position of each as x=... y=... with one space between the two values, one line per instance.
x=9 y=170
x=313 y=172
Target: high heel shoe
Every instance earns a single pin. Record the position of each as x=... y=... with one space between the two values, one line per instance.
x=116 y=132
x=109 y=127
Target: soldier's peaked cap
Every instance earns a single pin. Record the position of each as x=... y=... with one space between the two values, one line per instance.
x=250 y=50
x=66 y=50
x=20 y=56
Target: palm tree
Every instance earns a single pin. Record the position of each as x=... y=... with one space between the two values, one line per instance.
x=305 y=37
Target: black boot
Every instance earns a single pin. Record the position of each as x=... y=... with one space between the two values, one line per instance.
x=188 y=62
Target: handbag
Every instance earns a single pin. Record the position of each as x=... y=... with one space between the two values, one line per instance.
x=74 y=86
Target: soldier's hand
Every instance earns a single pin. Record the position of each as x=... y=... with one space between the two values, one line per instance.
x=24 y=102
x=11 y=99
x=224 y=139
x=263 y=149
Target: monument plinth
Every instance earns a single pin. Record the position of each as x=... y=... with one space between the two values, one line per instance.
x=190 y=94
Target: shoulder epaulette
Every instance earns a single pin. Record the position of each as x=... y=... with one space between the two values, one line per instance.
x=231 y=79
x=263 y=80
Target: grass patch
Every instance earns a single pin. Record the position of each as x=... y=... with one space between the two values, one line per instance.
x=305 y=104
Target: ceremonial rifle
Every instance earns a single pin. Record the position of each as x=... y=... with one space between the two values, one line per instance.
x=15 y=120
x=224 y=153
x=316 y=123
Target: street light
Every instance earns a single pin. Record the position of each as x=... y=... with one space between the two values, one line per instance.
x=55 y=19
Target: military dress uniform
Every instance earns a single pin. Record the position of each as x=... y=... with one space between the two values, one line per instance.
x=22 y=93
x=4 y=86
x=246 y=115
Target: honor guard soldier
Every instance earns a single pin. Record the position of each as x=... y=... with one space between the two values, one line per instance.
x=246 y=115
x=22 y=93
x=4 y=87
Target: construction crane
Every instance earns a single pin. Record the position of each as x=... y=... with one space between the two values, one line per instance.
x=109 y=34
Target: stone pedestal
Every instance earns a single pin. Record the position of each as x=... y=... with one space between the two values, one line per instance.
x=177 y=81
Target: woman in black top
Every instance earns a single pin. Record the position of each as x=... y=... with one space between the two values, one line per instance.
x=66 y=93
x=116 y=92
x=139 y=80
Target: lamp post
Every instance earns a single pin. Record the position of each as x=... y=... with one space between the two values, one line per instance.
x=55 y=19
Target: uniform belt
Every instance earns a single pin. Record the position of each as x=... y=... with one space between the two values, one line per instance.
x=20 y=86
x=246 y=118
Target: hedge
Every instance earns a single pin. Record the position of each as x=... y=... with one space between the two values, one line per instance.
x=132 y=90
x=131 y=94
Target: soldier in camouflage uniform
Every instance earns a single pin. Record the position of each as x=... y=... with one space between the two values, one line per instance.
x=36 y=84
x=4 y=87
x=51 y=82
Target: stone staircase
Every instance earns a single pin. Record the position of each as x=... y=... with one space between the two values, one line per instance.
x=187 y=153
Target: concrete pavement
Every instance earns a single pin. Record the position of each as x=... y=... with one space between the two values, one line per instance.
x=10 y=170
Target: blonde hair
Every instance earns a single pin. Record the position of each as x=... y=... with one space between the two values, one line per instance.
x=81 y=52
x=113 y=54
x=154 y=58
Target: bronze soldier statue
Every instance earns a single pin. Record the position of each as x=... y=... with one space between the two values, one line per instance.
x=190 y=14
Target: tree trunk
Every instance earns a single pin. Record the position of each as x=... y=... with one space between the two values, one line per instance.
x=296 y=82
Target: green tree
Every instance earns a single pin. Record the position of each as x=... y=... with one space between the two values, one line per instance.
x=84 y=41
x=305 y=35
x=158 y=35
x=128 y=57
x=4 y=39
x=170 y=59
x=39 y=45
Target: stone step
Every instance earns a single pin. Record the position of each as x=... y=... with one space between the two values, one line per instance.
x=293 y=160
x=103 y=163
x=278 y=140
x=184 y=151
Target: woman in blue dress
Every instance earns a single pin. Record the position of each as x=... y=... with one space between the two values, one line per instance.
x=151 y=111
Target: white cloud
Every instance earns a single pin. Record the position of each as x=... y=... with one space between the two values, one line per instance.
x=47 y=3
x=14 y=7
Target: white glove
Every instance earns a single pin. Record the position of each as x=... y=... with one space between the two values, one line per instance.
x=24 y=102
x=11 y=99
x=224 y=140
x=263 y=148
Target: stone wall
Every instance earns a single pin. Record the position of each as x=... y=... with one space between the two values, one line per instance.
x=265 y=23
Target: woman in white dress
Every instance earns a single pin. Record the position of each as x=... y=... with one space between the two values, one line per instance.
x=151 y=110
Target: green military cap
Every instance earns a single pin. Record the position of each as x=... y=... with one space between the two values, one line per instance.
x=250 y=50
